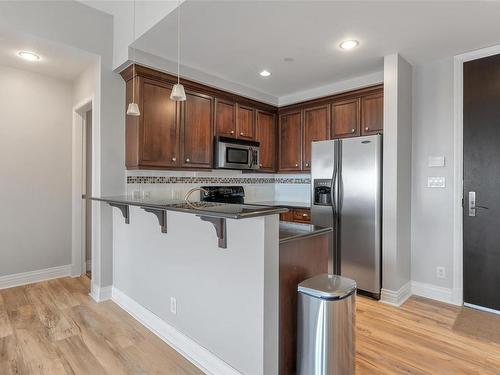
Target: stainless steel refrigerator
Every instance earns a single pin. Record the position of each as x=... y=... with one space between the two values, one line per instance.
x=346 y=194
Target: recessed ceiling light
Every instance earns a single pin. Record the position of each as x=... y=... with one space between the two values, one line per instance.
x=349 y=44
x=265 y=73
x=30 y=56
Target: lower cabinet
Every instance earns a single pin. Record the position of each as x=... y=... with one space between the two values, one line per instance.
x=298 y=261
x=297 y=215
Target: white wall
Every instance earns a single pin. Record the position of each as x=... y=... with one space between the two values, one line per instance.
x=35 y=171
x=227 y=299
x=432 y=209
x=396 y=211
x=79 y=26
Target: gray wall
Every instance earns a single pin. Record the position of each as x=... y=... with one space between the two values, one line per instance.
x=396 y=229
x=35 y=171
x=74 y=24
x=432 y=209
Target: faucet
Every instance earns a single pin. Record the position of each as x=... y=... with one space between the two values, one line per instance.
x=191 y=191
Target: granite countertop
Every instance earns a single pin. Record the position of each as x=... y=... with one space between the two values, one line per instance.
x=285 y=204
x=211 y=209
x=295 y=231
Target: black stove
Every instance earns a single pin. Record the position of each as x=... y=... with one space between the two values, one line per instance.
x=223 y=194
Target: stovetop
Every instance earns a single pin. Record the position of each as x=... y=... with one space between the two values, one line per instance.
x=223 y=194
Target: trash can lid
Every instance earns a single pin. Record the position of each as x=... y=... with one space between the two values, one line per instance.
x=328 y=286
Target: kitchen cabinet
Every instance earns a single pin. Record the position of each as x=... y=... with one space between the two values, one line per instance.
x=316 y=128
x=372 y=114
x=265 y=134
x=234 y=120
x=171 y=135
x=290 y=141
x=297 y=215
x=180 y=135
x=196 y=139
x=345 y=118
x=225 y=118
x=245 y=122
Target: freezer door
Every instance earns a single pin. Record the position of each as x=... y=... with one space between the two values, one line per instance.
x=323 y=169
x=360 y=202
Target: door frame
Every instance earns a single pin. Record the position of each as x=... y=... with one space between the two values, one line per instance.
x=78 y=264
x=458 y=164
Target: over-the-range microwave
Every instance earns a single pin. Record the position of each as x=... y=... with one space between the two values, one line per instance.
x=230 y=153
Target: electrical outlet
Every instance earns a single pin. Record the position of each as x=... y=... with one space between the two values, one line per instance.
x=441 y=272
x=173 y=305
x=136 y=194
x=147 y=194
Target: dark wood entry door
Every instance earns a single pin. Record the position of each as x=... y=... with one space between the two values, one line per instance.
x=481 y=147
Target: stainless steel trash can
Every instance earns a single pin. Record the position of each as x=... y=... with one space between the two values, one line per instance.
x=326 y=326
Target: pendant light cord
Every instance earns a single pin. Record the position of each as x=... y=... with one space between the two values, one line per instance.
x=178 y=41
x=133 y=57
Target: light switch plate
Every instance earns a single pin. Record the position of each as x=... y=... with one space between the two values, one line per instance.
x=436 y=161
x=436 y=182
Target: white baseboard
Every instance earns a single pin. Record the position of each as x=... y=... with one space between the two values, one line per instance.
x=396 y=297
x=206 y=361
x=434 y=292
x=31 y=277
x=100 y=294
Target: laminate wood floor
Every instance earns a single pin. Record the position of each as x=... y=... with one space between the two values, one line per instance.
x=54 y=327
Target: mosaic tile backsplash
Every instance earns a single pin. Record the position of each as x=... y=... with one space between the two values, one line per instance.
x=216 y=180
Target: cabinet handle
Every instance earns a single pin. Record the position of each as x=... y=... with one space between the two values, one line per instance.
x=304 y=215
x=232 y=131
x=174 y=159
x=260 y=165
x=296 y=165
x=367 y=128
x=242 y=133
x=353 y=130
x=307 y=164
x=188 y=160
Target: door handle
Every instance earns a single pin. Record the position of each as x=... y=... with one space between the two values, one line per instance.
x=472 y=203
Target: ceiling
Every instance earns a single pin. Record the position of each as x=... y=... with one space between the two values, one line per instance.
x=56 y=60
x=235 y=40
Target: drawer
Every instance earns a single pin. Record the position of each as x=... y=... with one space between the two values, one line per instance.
x=302 y=215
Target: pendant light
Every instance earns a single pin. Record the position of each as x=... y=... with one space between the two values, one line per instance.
x=133 y=108
x=178 y=94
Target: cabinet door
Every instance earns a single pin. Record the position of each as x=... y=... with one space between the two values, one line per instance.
x=290 y=139
x=197 y=131
x=316 y=128
x=372 y=114
x=265 y=135
x=160 y=126
x=345 y=118
x=225 y=118
x=286 y=216
x=301 y=215
x=245 y=122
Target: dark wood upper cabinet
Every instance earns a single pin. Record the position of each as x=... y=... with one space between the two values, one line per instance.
x=170 y=135
x=265 y=135
x=290 y=141
x=372 y=114
x=225 y=118
x=345 y=118
x=245 y=122
x=159 y=125
x=316 y=128
x=196 y=131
